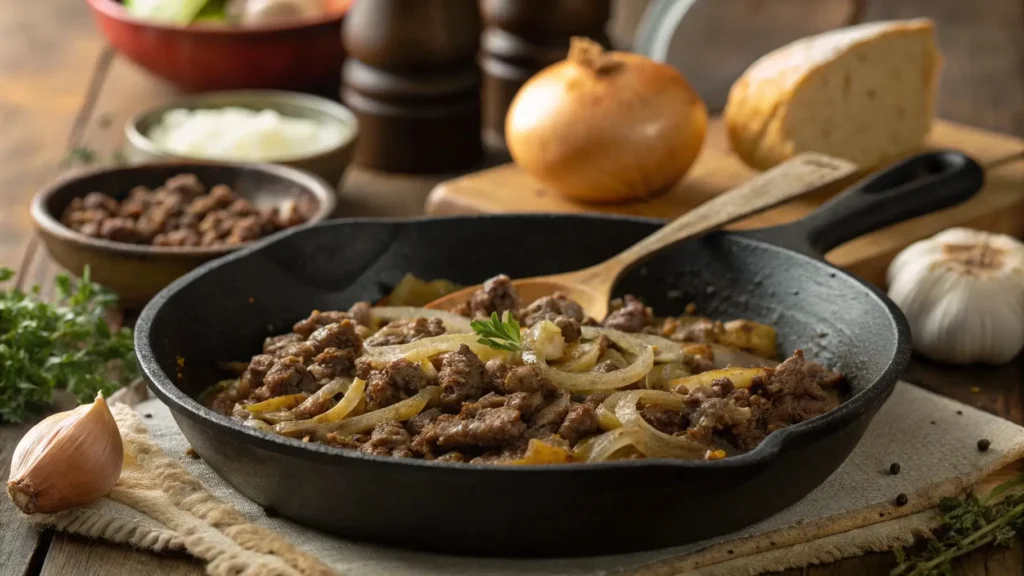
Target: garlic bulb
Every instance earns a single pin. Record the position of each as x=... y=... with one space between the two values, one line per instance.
x=962 y=291
x=69 y=459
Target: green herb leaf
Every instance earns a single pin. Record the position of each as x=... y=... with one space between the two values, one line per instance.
x=499 y=333
x=66 y=344
x=966 y=525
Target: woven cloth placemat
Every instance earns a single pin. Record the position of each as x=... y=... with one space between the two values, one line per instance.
x=168 y=501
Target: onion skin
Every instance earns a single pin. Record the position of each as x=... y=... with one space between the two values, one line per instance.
x=607 y=127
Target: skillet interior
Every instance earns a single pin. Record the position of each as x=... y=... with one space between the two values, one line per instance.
x=224 y=310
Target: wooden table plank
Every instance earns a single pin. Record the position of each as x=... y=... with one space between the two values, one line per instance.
x=18 y=540
x=81 y=557
x=46 y=63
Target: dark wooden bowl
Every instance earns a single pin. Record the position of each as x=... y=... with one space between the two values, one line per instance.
x=136 y=272
x=305 y=54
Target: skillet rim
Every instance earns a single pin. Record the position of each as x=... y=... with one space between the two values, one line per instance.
x=178 y=401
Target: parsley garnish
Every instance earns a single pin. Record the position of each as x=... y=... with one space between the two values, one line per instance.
x=500 y=334
x=66 y=344
x=967 y=525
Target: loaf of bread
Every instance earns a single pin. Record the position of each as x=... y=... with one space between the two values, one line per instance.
x=865 y=93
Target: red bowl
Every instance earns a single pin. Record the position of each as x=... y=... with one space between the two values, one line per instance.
x=305 y=54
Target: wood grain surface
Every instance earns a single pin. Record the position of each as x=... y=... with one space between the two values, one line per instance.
x=61 y=88
x=998 y=207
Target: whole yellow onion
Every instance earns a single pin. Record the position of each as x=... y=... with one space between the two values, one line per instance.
x=606 y=126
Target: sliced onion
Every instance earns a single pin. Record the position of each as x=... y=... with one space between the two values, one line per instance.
x=653 y=442
x=665 y=350
x=319 y=398
x=427 y=347
x=740 y=377
x=258 y=424
x=278 y=403
x=453 y=323
x=398 y=412
x=343 y=408
x=602 y=447
x=660 y=376
x=726 y=357
x=582 y=357
x=608 y=381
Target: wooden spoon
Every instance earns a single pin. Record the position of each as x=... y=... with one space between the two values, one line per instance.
x=592 y=287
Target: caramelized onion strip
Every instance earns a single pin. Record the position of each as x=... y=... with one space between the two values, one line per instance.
x=653 y=442
x=318 y=401
x=398 y=412
x=427 y=347
x=600 y=381
x=453 y=323
x=343 y=408
x=278 y=403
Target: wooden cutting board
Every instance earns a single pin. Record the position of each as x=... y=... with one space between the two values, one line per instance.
x=999 y=206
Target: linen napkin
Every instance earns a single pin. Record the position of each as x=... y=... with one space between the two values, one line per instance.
x=166 y=500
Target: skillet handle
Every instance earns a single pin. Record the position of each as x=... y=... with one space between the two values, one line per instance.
x=908 y=189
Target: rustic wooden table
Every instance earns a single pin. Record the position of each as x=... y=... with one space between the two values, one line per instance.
x=61 y=88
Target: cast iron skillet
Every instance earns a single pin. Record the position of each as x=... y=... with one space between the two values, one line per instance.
x=223 y=310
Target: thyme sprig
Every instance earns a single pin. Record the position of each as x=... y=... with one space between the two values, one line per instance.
x=966 y=525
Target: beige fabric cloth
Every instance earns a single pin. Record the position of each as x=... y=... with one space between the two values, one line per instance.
x=167 y=501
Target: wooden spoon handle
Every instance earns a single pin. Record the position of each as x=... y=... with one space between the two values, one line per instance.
x=801 y=174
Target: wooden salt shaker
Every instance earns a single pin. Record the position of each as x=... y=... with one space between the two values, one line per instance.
x=411 y=78
x=523 y=36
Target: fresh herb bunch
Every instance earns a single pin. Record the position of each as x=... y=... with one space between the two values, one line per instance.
x=67 y=344
x=967 y=525
x=499 y=333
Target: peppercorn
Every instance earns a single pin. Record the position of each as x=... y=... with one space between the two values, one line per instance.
x=901 y=499
x=894 y=468
x=983 y=444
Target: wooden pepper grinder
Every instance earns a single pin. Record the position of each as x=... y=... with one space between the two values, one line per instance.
x=411 y=78
x=523 y=36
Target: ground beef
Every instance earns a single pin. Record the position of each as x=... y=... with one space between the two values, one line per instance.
x=360 y=312
x=388 y=439
x=526 y=403
x=570 y=328
x=406 y=331
x=288 y=376
x=632 y=316
x=365 y=365
x=797 y=377
x=550 y=417
x=317 y=320
x=495 y=372
x=698 y=364
x=179 y=213
x=489 y=400
x=333 y=363
x=550 y=307
x=709 y=409
x=491 y=427
x=527 y=379
x=664 y=418
x=253 y=376
x=396 y=381
x=419 y=422
x=747 y=435
x=461 y=377
x=340 y=335
x=353 y=442
x=580 y=421
x=496 y=295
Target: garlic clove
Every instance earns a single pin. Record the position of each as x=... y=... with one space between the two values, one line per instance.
x=962 y=292
x=67 y=460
